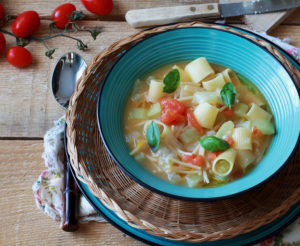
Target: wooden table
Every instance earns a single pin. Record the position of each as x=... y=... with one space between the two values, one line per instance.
x=28 y=110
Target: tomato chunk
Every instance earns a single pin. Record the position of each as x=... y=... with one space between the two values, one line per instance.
x=228 y=112
x=229 y=140
x=196 y=160
x=172 y=111
x=193 y=121
x=172 y=104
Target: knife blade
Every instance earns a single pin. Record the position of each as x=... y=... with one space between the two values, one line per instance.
x=256 y=7
x=166 y=15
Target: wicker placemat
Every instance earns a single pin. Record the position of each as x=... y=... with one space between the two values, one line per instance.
x=157 y=214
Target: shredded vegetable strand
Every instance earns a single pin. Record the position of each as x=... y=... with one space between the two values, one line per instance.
x=184 y=163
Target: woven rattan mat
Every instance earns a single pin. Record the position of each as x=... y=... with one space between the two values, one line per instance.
x=154 y=213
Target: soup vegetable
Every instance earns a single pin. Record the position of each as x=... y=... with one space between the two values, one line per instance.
x=197 y=124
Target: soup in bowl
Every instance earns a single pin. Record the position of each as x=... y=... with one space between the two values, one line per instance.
x=188 y=114
x=197 y=124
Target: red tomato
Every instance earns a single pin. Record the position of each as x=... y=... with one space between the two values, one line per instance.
x=2 y=42
x=228 y=112
x=193 y=121
x=229 y=140
x=19 y=57
x=98 y=7
x=196 y=160
x=172 y=111
x=171 y=117
x=173 y=105
x=188 y=158
x=26 y=24
x=2 y=11
x=62 y=13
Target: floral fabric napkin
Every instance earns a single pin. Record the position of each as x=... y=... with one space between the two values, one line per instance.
x=48 y=188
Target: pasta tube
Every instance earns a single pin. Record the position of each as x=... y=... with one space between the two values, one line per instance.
x=183 y=74
x=199 y=69
x=242 y=138
x=215 y=83
x=205 y=96
x=225 y=130
x=155 y=91
x=257 y=112
x=223 y=164
x=206 y=115
x=226 y=74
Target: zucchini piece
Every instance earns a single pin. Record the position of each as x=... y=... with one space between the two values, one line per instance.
x=154 y=110
x=240 y=109
x=265 y=126
x=193 y=180
x=190 y=135
x=138 y=113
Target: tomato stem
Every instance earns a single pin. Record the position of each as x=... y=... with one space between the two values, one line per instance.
x=71 y=27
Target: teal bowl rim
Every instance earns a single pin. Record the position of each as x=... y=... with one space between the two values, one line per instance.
x=139 y=181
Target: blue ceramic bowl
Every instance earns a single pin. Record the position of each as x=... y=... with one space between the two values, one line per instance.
x=221 y=47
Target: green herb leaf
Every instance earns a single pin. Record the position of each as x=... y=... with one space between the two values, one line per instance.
x=246 y=82
x=153 y=136
x=95 y=33
x=171 y=81
x=50 y=52
x=228 y=94
x=214 y=144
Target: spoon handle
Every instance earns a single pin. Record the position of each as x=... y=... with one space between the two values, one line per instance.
x=71 y=202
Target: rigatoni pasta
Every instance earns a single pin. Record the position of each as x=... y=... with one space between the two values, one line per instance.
x=197 y=124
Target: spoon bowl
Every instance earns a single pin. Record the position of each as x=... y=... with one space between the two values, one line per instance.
x=67 y=71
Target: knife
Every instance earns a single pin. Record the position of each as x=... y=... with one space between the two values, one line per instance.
x=166 y=15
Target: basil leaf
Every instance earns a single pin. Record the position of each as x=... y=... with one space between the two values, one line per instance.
x=171 y=81
x=153 y=136
x=246 y=82
x=214 y=144
x=228 y=94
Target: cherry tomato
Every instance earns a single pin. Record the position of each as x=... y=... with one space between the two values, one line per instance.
x=19 y=57
x=172 y=111
x=196 y=160
x=62 y=13
x=228 y=112
x=193 y=121
x=2 y=42
x=98 y=7
x=2 y=11
x=26 y=24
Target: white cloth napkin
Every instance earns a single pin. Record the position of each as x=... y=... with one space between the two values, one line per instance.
x=48 y=189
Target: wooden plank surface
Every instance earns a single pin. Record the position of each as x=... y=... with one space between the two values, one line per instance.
x=26 y=103
x=44 y=8
x=22 y=223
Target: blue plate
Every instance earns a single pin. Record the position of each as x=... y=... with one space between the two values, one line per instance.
x=248 y=238
x=224 y=48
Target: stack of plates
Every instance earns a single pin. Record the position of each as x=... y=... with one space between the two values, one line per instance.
x=157 y=219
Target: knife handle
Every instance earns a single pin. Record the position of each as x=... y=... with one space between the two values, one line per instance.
x=166 y=15
x=71 y=202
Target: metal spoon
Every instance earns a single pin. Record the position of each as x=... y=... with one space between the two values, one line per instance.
x=67 y=71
